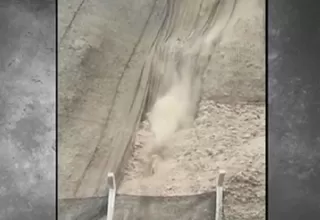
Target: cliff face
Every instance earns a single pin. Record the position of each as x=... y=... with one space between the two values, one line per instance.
x=116 y=58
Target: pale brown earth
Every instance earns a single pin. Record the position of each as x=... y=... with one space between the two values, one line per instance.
x=228 y=137
x=107 y=52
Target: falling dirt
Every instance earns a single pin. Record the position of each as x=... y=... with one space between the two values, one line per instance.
x=182 y=144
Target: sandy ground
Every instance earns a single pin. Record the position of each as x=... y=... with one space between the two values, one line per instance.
x=223 y=137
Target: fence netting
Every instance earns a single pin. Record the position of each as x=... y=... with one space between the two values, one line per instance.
x=128 y=207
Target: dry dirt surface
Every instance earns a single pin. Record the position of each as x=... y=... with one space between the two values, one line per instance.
x=229 y=137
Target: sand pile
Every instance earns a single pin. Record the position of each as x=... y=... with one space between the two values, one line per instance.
x=222 y=138
x=229 y=137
